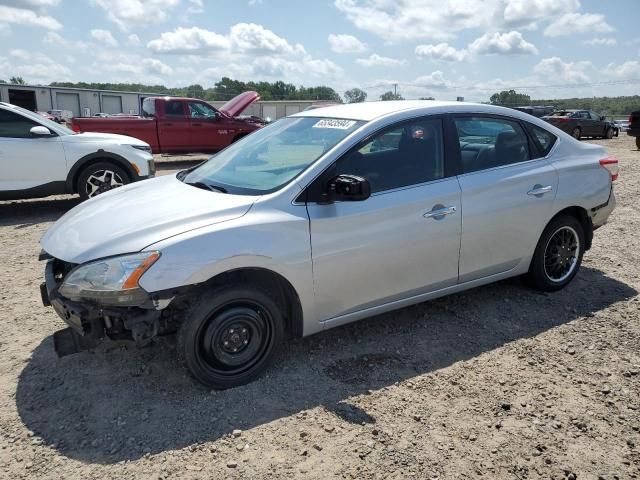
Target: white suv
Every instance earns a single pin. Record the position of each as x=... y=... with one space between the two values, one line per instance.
x=39 y=157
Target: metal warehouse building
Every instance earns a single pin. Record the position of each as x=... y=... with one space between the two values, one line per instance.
x=85 y=102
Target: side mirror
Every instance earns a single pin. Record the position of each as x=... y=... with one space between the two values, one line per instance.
x=603 y=118
x=348 y=188
x=40 y=131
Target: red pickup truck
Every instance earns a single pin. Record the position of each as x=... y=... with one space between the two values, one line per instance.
x=180 y=125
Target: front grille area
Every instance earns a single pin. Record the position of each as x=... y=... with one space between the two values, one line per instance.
x=61 y=269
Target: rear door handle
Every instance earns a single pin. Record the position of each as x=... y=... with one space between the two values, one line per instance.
x=167 y=124
x=196 y=124
x=538 y=190
x=438 y=212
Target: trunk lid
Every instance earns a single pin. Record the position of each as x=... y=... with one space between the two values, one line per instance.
x=238 y=104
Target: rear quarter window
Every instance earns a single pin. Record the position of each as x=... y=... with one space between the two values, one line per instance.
x=543 y=140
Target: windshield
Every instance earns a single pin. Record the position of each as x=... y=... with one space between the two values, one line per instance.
x=270 y=157
x=45 y=122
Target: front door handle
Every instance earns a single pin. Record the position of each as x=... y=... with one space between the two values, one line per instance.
x=538 y=190
x=438 y=212
x=167 y=124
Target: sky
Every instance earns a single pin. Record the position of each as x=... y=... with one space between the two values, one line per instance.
x=438 y=48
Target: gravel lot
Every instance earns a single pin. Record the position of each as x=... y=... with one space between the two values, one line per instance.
x=497 y=382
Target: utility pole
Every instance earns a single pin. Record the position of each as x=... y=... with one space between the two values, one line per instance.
x=395 y=89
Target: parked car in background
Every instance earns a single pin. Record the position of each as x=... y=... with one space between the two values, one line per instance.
x=634 y=127
x=304 y=225
x=622 y=125
x=180 y=125
x=536 y=110
x=48 y=116
x=582 y=123
x=39 y=157
x=61 y=116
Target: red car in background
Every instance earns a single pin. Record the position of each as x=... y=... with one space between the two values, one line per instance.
x=180 y=125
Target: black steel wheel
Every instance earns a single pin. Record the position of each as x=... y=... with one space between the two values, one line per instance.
x=558 y=255
x=229 y=338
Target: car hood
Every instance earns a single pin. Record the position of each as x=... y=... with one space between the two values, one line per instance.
x=130 y=218
x=239 y=103
x=109 y=138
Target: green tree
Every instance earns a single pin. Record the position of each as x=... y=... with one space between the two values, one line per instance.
x=510 y=98
x=391 y=96
x=355 y=95
x=3 y=81
x=195 y=91
x=17 y=81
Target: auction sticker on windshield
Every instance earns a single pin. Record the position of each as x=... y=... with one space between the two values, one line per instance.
x=335 y=123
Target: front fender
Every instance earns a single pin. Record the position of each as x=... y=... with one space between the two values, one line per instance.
x=271 y=240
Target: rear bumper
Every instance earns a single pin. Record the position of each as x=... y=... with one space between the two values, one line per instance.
x=633 y=132
x=600 y=214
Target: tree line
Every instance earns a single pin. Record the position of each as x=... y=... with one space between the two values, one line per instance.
x=616 y=106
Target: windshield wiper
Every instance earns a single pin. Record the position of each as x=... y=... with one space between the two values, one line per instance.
x=206 y=186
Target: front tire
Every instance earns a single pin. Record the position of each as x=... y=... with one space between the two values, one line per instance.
x=610 y=133
x=638 y=143
x=558 y=255
x=100 y=177
x=230 y=336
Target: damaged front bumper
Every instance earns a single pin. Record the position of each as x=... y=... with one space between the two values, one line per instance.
x=89 y=323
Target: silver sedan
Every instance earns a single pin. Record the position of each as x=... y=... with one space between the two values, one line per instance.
x=323 y=218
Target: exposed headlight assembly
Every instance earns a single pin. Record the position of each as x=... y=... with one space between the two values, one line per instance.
x=111 y=281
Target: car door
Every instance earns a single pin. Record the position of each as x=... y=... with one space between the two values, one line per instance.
x=586 y=124
x=28 y=161
x=598 y=124
x=209 y=130
x=507 y=194
x=403 y=240
x=174 y=128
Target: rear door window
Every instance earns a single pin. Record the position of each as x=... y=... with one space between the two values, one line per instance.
x=487 y=142
x=174 y=108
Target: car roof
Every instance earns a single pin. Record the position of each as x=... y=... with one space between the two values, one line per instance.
x=368 y=111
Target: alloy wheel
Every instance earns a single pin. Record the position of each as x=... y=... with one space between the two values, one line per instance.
x=102 y=181
x=561 y=254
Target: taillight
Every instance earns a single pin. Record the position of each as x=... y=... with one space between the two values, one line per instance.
x=611 y=164
x=75 y=127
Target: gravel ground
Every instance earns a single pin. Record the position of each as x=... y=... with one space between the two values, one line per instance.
x=497 y=382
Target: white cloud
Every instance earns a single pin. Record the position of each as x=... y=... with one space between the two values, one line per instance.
x=242 y=39
x=34 y=67
x=624 y=71
x=154 y=65
x=133 y=40
x=189 y=40
x=442 y=51
x=375 y=60
x=104 y=36
x=23 y=16
x=441 y=19
x=54 y=38
x=341 y=43
x=571 y=23
x=510 y=43
x=605 y=41
x=433 y=81
x=554 y=70
x=5 y=29
x=528 y=12
x=134 y=13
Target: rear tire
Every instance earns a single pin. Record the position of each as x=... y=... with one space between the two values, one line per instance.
x=99 y=178
x=576 y=133
x=558 y=255
x=638 y=142
x=230 y=336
